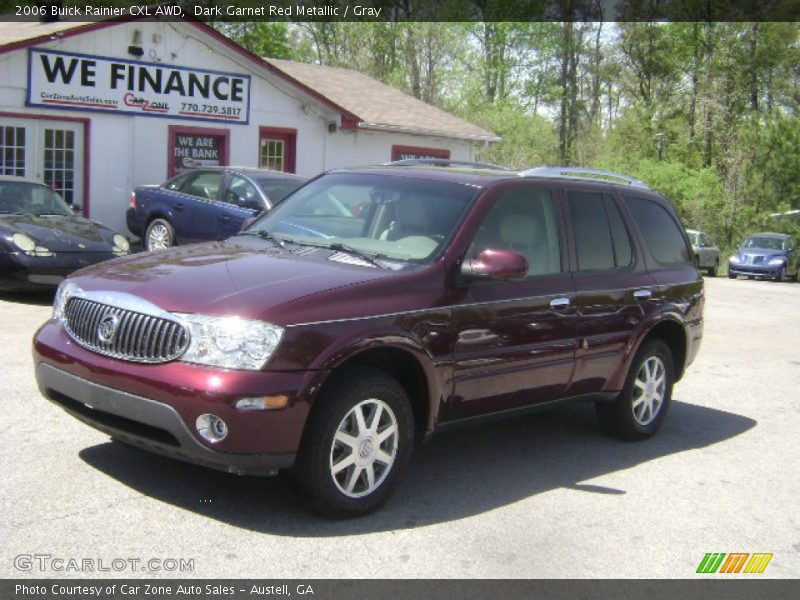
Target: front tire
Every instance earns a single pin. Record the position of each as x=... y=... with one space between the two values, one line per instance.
x=639 y=411
x=160 y=235
x=357 y=444
x=781 y=275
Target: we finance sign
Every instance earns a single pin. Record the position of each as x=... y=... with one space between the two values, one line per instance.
x=82 y=82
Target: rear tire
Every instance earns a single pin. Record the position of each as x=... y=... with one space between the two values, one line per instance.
x=639 y=411
x=357 y=444
x=160 y=235
x=731 y=275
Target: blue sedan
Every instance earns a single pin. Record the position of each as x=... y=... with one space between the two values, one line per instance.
x=770 y=255
x=205 y=204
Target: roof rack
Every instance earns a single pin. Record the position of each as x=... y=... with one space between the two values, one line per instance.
x=584 y=173
x=444 y=162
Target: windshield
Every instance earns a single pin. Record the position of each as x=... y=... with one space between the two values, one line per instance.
x=277 y=189
x=771 y=243
x=24 y=198
x=394 y=218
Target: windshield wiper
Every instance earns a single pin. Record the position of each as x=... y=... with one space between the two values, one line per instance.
x=369 y=257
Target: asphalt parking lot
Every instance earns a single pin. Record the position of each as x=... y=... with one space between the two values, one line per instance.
x=543 y=496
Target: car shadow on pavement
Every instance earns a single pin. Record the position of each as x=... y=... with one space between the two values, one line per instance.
x=455 y=475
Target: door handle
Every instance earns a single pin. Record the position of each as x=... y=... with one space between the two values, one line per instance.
x=643 y=294
x=559 y=303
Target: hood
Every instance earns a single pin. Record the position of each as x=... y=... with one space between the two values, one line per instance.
x=244 y=278
x=62 y=233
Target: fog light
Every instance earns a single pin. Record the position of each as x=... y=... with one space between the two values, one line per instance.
x=211 y=428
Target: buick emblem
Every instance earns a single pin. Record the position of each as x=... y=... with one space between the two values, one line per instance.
x=107 y=328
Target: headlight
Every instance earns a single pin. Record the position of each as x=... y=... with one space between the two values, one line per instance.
x=230 y=342
x=121 y=245
x=65 y=291
x=734 y=259
x=774 y=262
x=28 y=245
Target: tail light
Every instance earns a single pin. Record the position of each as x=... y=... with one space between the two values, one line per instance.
x=133 y=199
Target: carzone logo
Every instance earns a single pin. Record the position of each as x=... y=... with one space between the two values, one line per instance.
x=735 y=562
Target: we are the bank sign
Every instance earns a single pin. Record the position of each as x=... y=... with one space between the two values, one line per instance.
x=83 y=82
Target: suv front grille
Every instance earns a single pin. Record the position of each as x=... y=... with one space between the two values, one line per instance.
x=125 y=334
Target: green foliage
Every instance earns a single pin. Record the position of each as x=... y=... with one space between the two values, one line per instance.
x=705 y=112
x=528 y=140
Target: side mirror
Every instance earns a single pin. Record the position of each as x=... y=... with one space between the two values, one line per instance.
x=496 y=264
x=78 y=210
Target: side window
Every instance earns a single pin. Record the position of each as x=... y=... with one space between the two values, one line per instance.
x=594 y=245
x=659 y=230
x=523 y=221
x=205 y=185
x=241 y=192
x=176 y=183
x=623 y=254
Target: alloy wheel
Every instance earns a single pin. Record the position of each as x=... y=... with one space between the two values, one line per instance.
x=649 y=388
x=364 y=448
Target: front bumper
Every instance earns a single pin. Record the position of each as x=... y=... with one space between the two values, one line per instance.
x=145 y=423
x=155 y=406
x=755 y=270
x=19 y=272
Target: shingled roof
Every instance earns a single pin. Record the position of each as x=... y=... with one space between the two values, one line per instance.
x=377 y=105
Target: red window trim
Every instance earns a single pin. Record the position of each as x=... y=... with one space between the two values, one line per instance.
x=188 y=130
x=289 y=136
x=86 y=145
x=419 y=150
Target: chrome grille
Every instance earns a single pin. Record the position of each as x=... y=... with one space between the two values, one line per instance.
x=135 y=336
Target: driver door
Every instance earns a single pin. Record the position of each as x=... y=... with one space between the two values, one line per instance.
x=516 y=340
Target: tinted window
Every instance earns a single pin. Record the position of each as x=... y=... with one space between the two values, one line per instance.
x=659 y=230
x=523 y=221
x=623 y=254
x=594 y=245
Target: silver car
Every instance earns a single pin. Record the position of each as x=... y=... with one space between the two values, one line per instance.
x=706 y=252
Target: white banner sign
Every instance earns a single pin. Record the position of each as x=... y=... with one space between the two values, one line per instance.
x=82 y=82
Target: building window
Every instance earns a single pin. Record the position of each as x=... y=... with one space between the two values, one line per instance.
x=12 y=151
x=195 y=147
x=273 y=155
x=277 y=148
x=417 y=152
x=59 y=162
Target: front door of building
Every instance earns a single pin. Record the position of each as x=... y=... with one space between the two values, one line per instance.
x=45 y=150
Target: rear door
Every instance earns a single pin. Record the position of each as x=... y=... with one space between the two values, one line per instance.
x=239 y=201
x=515 y=340
x=612 y=285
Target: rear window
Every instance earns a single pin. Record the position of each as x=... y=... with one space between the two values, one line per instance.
x=660 y=231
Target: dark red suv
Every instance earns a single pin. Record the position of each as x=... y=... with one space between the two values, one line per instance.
x=374 y=307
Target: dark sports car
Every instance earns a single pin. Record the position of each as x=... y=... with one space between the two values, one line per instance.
x=42 y=240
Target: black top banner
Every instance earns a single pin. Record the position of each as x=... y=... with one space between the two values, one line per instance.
x=404 y=10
